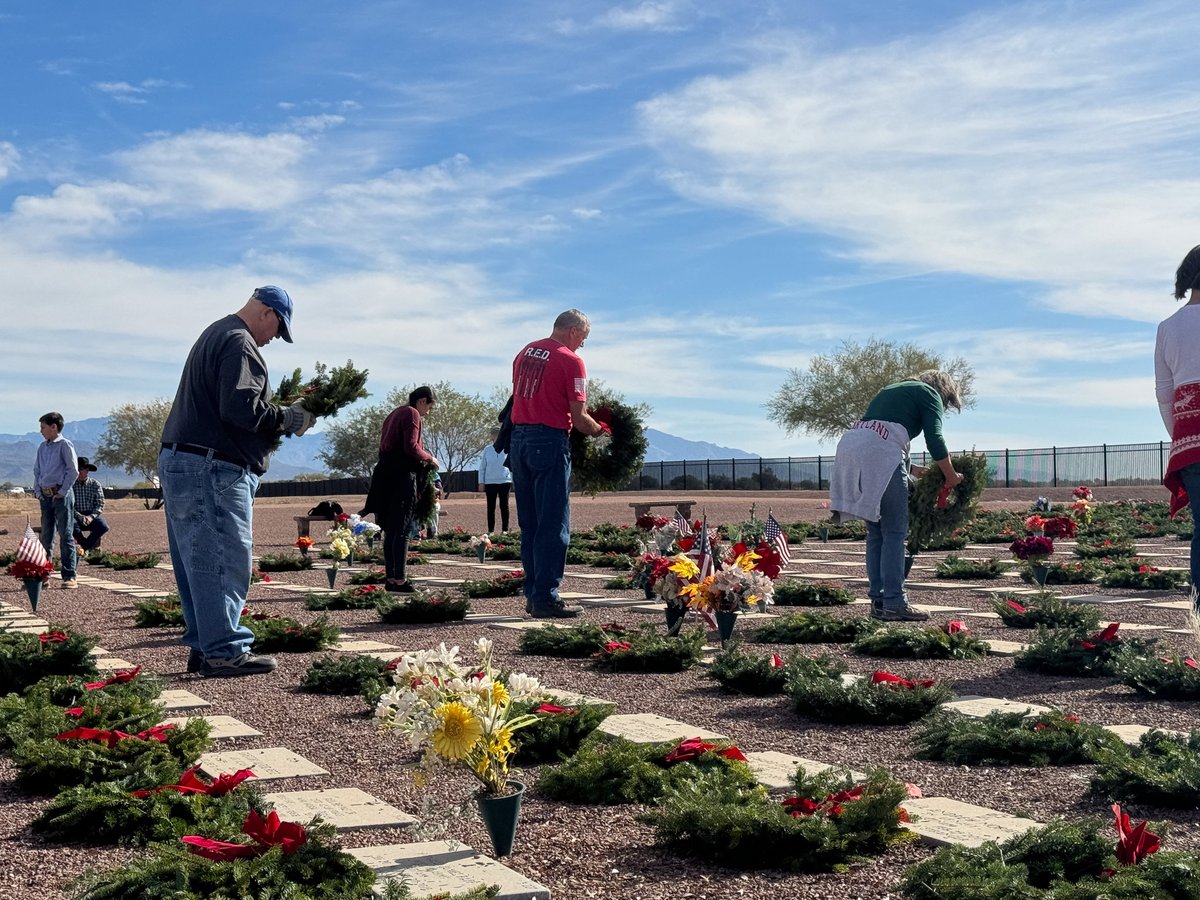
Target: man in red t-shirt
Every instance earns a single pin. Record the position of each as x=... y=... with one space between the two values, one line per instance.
x=549 y=399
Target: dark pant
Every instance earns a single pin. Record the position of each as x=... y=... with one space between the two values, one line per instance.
x=541 y=467
x=398 y=528
x=91 y=539
x=395 y=554
x=1191 y=483
x=497 y=492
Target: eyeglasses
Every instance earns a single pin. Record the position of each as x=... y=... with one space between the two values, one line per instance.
x=279 y=319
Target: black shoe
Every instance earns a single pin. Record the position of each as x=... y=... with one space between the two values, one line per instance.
x=903 y=614
x=401 y=587
x=562 y=611
x=246 y=664
x=195 y=661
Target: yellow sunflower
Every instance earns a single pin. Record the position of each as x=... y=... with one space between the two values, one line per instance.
x=459 y=731
x=500 y=695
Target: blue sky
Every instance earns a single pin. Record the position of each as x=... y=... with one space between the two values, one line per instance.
x=727 y=189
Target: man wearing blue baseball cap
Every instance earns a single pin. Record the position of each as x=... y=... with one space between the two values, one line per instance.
x=215 y=445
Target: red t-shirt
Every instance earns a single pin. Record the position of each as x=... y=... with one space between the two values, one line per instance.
x=547 y=376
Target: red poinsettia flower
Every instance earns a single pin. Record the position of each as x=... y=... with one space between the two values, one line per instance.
x=685 y=543
x=1134 y=843
x=769 y=561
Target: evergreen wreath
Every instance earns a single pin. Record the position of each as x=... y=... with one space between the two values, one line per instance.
x=37 y=717
x=793 y=592
x=363 y=596
x=558 y=732
x=119 y=561
x=1161 y=770
x=507 y=585
x=50 y=766
x=1064 y=651
x=158 y=612
x=425 y=508
x=1081 y=571
x=970 y=569
x=926 y=523
x=1138 y=574
x=374 y=576
x=813 y=628
x=424 y=607
x=109 y=813
x=743 y=673
x=1012 y=739
x=345 y=675
x=72 y=690
x=826 y=823
x=316 y=870
x=609 y=468
x=1171 y=677
x=280 y=634
x=612 y=771
x=284 y=562
x=575 y=642
x=1046 y=608
x=1059 y=861
x=25 y=659
x=818 y=690
x=645 y=650
x=1114 y=545
x=325 y=394
x=906 y=642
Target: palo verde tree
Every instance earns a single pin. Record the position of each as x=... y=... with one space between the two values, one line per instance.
x=455 y=432
x=836 y=389
x=133 y=437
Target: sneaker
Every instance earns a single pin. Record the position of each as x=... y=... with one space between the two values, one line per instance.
x=195 y=661
x=246 y=664
x=562 y=611
x=902 y=614
x=401 y=587
x=69 y=584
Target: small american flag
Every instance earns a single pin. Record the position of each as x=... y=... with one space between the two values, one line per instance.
x=30 y=549
x=682 y=525
x=776 y=536
x=702 y=551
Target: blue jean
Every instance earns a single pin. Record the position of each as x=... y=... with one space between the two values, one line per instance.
x=209 y=507
x=541 y=465
x=95 y=531
x=59 y=513
x=1191 y=483
x=885 y=545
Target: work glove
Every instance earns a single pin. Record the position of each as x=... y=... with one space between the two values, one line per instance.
x=301 y=420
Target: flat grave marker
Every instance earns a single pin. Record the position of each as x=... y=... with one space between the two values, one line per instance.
x=268 y=763
x=112 y=663
x=220 y=726
x=1171 y=604
x=362 y=646
x=1100 y=599
x=347 y=809
x=775 y=770
x=1132 y=734
x=483 y=618
x=977 y=707
x=945 y=821
x=1135 y=626
x=572 y=697
x=443 y=867
x=647 y=728
x=1005 y=648
x=525 y=624
x=176 y=700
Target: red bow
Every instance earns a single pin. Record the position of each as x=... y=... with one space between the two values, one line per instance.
x=1133 y=843
x=1107 y=636
x=776 y=661
x=889 y=678
x=957 y=626
x=1015 y=605
x=831 y=805
x=268 y=833
x=550 y=709
x=694 y=747
x=54 y=637
x=121 y=676
x=190 y=783
x=109 y=738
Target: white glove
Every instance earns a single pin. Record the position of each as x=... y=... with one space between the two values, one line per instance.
x=302 y=419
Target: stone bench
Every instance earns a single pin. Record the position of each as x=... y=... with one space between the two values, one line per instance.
x=642 y=508
x=303 y=523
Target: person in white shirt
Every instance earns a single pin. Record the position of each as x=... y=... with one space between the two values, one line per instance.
x=495 y=480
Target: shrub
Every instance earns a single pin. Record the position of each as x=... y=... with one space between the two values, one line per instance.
x=1011 y=739
x=813 y=628
x=791 y=592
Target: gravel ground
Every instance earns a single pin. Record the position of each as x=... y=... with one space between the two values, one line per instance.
x=580 y=852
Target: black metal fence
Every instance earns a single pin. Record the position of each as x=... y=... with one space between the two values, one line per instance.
x=1102 y=465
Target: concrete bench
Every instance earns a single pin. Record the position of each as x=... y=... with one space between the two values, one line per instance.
x=642 y=508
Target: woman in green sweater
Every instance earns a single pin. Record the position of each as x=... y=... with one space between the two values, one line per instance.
x=870 y=478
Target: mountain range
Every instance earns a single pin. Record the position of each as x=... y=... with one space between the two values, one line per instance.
x=297 y=456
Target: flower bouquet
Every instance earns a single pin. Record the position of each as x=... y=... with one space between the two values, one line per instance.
x=481 y=545
x=361 y=528
x=341 y=547
x=1034 y=550
x=32 y=566
x=303 y=544
x=730 y=591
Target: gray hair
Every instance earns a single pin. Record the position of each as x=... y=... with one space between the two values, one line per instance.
x=572 y=318
x=944 y=384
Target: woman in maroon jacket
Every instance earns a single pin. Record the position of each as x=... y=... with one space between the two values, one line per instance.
x=397 y=482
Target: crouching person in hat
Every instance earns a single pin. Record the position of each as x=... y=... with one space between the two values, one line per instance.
x=90 y=526
x=215 y=445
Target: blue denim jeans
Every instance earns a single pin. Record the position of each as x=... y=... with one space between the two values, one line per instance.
x=95 y=531
x=209 y=507
x=541 y=467
x=59 y=513
x=1191 y=483
x=885 y=545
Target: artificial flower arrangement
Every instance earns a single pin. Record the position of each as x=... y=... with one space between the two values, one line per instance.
x=477 y=541
x=304 y=544
x=646 y=569
x=1034 y=549
x=361 y=528
x=740 y=586
x=342 y=542
x=458 y=715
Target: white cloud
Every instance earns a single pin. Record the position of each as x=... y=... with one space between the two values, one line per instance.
x=9 y=157
x=649 y=15
x=1051 y=146
x=581 y=213
x=125 y=92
